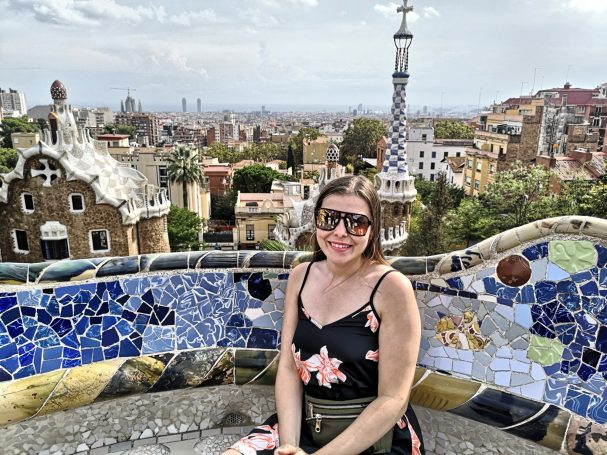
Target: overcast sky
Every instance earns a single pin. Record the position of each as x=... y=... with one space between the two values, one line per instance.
x=322 y=52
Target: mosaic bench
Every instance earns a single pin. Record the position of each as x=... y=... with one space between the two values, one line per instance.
x=514 y=330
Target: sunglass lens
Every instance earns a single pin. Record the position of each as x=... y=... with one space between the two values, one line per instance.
x=357 y=224
x=326 y=219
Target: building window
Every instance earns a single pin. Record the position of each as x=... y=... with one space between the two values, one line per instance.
x=271 y=231
x=76 y=203
x=468 y=180
x=20 y=241
x=163 y=178
x=250 y=232
x=424 y=137
x=445 y=154
x=27 y=202
x=433 y=154
x=479 y=166
x=477 y=184
x=469 y=164
x=421 y=165
x=55 y=249
x=100 y=240
x=501 y=150
x=432 y=165
x=432 y=177
x=491 y=168
x=458 y=153
x=421 y=153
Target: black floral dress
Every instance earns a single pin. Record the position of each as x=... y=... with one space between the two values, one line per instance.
x=337 y=361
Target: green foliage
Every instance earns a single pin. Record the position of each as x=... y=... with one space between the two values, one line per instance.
x=222 y=207
x=520 y=195
x=361 y=139
x=120 y=129
x=311 y=175
x=8 y=160
x=255 y=179
x=469 y=223
x=12 y=125
x=296 y=143
x=260 y=153
x=184 y=168
x=595 y=201
x=428 y=233
x=453 y=129
x=272 y=245
x=183 y=228
x=369 y=172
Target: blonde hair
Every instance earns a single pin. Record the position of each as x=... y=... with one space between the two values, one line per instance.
x=363 y=188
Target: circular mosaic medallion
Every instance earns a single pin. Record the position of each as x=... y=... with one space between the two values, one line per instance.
x=514 y=270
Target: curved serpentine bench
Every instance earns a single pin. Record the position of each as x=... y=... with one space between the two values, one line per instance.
x=514 y=329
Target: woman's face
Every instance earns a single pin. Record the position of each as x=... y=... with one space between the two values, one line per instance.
x=339 y=245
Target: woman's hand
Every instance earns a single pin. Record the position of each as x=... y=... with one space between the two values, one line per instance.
x=288 y=449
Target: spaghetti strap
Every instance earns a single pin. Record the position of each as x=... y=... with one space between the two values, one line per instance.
x=303 y=283
x=378 y=283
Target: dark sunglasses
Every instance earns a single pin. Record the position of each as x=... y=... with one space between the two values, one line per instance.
x=356 y=224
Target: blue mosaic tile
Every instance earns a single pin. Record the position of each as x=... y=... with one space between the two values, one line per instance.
x=602 y=255
x=490 y=286
x=582 y=277
x=577 y=401
x=455 y=283
x=555 y=273
x=597 y=409
x=536 y=251
x=263 y=339
x=545 y=291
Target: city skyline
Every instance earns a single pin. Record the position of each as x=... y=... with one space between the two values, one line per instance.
x=297 y=52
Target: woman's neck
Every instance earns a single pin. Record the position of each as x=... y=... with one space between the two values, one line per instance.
x=342 y=271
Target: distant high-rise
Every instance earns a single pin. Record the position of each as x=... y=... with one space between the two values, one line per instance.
x=139 y=108
x=199 y=105
x=13 y=101
x=263 y=109
x=360 y=108
x=184 y=105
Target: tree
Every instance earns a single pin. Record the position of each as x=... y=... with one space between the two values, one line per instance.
x=8 y=160
x=183 y=228
x=296 y=142
x=184 y=168
x=361 y=139
x=470 y=223
x=291 y=159
x=222 y=207
x=453 y=129
x=255 y=179
x=14 y=125
x=120 y=129
x=520 y=195
x=595 y=202
x=429 y=235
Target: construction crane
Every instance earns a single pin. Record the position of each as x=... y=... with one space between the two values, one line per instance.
x=128 y=89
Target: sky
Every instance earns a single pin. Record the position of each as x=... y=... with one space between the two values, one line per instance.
x=297 y=52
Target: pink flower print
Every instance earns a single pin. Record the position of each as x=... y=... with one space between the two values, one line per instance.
x=327 y=368
x=416 y=443
x=301 y=365
x=373 y=355
x=249 y=445
x=372 y=321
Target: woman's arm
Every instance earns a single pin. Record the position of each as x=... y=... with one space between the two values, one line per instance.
x=288 y=388
x=399 y=338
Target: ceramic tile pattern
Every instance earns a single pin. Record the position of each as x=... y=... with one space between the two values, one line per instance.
x=539 y=349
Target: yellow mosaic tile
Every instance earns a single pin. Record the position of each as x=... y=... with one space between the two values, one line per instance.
x=23 y=397
x=544 y=350
x=442 y=392
x=81 y=385
x=572 y=255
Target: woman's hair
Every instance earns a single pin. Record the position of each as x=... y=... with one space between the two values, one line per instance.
x=354 y=185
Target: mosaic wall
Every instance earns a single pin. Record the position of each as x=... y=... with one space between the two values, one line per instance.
x=514 y=329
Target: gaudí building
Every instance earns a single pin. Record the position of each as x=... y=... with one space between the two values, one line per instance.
x=68 y=198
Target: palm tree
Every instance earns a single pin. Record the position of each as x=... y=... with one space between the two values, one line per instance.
x=184 y=168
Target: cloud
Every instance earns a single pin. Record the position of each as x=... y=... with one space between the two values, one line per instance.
x=429 y=12
x=389 y=11
x=279 y=3
x=587 y=6
x=172 y=59
x=80 y=13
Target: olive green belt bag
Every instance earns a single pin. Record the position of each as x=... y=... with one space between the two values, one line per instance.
x=328 y=418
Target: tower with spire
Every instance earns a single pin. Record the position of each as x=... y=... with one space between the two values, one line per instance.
x=396 y=188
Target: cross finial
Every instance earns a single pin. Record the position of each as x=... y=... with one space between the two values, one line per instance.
x=403 y=30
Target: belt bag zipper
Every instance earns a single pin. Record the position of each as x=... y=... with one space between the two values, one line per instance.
x=319 y=418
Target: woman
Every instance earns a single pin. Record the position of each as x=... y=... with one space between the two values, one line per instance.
x=350 y=331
